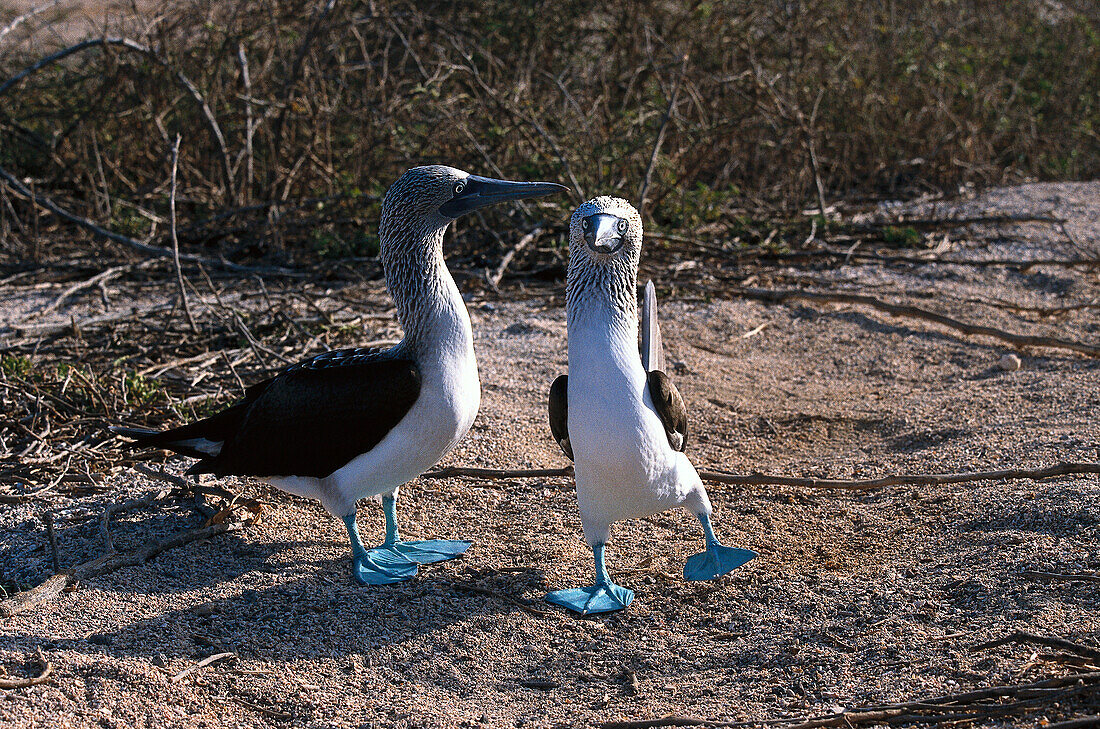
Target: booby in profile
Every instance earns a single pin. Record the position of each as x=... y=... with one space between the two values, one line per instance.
x=353 y=423
x=617 y=415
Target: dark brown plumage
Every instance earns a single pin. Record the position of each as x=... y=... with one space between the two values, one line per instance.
x=559 y=414
x=670 y=408
x=309 y=420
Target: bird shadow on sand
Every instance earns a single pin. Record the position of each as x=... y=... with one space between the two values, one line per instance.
x=324 y=613
x=27 y=557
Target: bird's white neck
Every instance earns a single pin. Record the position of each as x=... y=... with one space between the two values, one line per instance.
x=603 y=325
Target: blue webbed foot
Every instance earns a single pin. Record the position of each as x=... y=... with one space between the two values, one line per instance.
x=715 y=562
x=431 y=550
x=604 y=598
x=382 y=566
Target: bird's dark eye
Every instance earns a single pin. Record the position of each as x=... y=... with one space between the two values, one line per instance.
x=621 y=225
x=584 y=224
x=459 y=187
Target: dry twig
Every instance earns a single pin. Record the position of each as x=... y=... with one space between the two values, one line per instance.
x=506 y=260
x=42 y=201
x=660 y=140
x=175 y=238
x=152 y=55
x=100 y=278
x=1059 y=576
x=1051 y=641
x=201 y=664
x=1021 y=340
x=757 y=479
x=499 y=473
x=42 y=677
x=937 y=709
x=919 y=479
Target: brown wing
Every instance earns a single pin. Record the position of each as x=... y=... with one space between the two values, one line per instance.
x=670 y=408
x=559 y=414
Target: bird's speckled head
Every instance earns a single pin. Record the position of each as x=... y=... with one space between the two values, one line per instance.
x=605 y=243
x=415 y=214
x=421 y=192
x=428 y=198
x=606 y=229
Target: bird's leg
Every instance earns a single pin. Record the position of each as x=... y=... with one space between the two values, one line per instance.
x=357 y=548
x=421 y=552
x=602 y=578
x=389 y=506
x=375 y=567
x=718 y=559
x=708 y=531
x=603 y=597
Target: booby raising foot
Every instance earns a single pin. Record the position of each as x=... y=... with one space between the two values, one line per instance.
x=617 y=415
x=354 y=423
x=717 y=560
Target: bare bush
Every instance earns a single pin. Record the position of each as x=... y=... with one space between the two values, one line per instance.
x=302 y=112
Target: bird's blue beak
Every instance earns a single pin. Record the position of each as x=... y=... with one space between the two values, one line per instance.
x=480 y=192
x=602 y=233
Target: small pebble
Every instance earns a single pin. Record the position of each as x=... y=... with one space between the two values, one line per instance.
x=1009 y=363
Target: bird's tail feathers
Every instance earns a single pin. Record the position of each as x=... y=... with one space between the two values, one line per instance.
x=653 y=355
x=177 y=439
x=137 y=434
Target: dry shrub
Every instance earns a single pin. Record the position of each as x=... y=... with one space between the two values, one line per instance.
x=888 y=98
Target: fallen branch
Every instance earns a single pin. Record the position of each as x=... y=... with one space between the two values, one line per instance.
x=112 y=509
x=1058 y=576
x=1084 y=722
x=850 y=255
x=758 y=479
x=1021 y=340
x=101 y=277
x=41 y=331
x=1050 y=641
x=919 y=479
x=42 y=201
x=175 y=238
x=42 y=677
x=201 y=664
x=498 y=473
x=506 y=260
x=937 y=709
x=169 y=478
x=106 y=564
x=959 y=222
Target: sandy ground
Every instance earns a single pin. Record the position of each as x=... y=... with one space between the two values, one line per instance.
x=856 y=598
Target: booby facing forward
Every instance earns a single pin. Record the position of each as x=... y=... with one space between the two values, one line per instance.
x=353 y=423
x=620 y=419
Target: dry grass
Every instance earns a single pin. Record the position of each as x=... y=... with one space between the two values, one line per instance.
x=757 y=108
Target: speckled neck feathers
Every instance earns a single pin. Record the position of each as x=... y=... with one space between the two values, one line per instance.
x=604 y=286
x=411 y=235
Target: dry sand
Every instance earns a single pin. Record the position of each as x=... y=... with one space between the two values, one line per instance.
x=856 y=597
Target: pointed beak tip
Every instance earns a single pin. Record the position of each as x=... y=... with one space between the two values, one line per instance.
x=540 y=189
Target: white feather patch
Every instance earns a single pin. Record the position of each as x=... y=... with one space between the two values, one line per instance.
x=202 y=445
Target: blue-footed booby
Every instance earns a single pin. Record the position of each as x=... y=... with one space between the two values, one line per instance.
x=617 y=415
x=355 y=423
